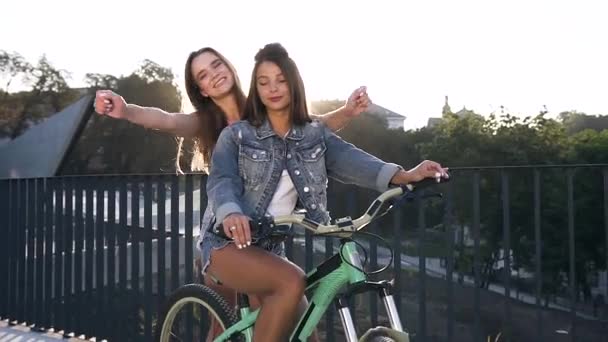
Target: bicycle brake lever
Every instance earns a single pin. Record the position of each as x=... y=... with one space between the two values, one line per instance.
x=427 y=182
x=407 y=197
x=411 y=196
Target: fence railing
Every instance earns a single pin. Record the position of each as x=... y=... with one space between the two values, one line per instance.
x=515 y=251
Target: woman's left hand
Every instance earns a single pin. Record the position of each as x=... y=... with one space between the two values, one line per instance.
x=426 y=169
x=358 y=102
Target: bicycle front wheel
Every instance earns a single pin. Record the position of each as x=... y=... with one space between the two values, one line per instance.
x=384 y=334
x=194 y=312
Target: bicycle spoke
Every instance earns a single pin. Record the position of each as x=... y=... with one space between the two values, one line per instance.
x=179 y=339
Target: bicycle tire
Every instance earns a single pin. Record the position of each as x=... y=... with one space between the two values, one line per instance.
x=198 y=294
x=383 y=334
x=382 y=338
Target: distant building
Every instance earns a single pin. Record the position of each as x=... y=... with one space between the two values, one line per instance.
x=394 y=120
x=433 y=122
x=447 y=110
x=465 y=112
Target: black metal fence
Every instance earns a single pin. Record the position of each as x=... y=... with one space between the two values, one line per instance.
x=515 y=252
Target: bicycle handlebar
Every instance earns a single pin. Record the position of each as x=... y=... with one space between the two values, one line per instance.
x=344 y=226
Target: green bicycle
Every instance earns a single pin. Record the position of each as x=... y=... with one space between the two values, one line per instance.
x=333 y=281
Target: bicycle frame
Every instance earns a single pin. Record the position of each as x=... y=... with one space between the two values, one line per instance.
x=327 y=280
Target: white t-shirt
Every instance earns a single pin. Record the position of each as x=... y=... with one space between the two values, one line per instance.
x=285 y=198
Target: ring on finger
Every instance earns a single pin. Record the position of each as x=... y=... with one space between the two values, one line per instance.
x=233 y=228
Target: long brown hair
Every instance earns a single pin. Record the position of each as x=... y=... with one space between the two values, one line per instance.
x=212 y=117
x=255 y=111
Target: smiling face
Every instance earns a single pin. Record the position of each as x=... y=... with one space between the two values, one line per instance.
x=212 y=76
x=276 y=86
x=272 y=87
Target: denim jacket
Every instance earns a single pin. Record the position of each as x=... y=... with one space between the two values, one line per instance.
x=247 y=163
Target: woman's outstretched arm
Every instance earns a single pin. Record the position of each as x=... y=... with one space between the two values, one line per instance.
x=111 y=104
x=357 y=103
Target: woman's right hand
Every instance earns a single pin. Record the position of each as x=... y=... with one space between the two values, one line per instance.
x=237 y=227
x=109 y=103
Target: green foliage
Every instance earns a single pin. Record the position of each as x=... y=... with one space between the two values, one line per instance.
x=106 y=145
x=589 y=146
x=493 y=141
x=117 y=146
x=101 y=81
x=575 y=122
x=150 y=92
x=49 y=93
x=151 y=72
x=505 y=140
x=11 y=66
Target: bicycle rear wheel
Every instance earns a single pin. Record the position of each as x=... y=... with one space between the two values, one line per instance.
x=194 y=312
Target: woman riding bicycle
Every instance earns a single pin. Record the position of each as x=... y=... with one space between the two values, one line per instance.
x=276 y=158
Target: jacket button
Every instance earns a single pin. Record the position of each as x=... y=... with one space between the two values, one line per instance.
x=288 y=155
x=254 y=156
x=313 y=206
x=306 y=189
x=297 y=172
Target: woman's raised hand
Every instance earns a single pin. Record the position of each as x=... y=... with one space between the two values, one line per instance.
x=109 y=103
x=358 y=101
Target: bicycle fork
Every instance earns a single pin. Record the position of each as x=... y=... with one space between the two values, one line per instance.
x=385 y=290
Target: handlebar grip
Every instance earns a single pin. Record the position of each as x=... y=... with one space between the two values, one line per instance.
x=219 y=230
x=254 y=225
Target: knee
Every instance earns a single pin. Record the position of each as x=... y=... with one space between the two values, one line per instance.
x=293 y=283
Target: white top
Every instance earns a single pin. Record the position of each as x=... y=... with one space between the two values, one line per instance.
x=285 y=198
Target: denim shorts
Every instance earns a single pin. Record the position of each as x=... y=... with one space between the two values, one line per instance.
x=211 y=241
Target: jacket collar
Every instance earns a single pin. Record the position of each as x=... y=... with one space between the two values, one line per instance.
x=266 y=131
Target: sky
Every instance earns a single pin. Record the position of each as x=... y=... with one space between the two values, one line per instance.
x=483 y=54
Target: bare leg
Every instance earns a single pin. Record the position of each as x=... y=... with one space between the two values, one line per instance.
x=277 y=282
x=254 y=301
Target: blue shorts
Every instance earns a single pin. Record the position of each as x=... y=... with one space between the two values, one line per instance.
x=211 y=241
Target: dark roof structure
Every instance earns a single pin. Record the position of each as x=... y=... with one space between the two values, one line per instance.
x=41 y=150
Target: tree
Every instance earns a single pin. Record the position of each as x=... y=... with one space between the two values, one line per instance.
x=575 y=122
x=49 y=94
x=101 y=81
x=589 y=147
x=11 y=66
x=370 y=133
x=151 y=72
x=118 y=146
x=505 y=140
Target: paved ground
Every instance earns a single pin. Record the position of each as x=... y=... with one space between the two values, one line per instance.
x=21 y=333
